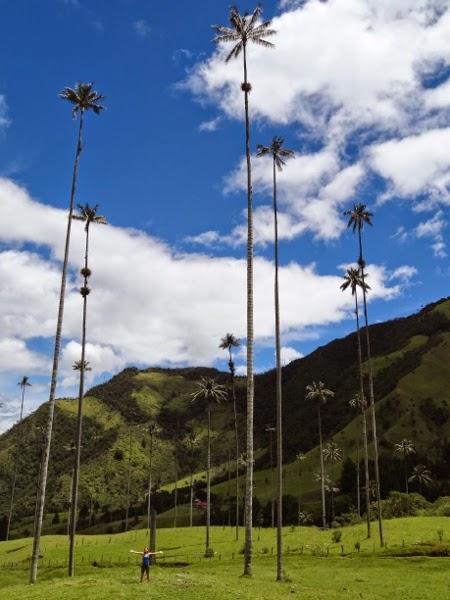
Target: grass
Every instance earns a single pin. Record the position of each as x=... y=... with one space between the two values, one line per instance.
x=316 y=568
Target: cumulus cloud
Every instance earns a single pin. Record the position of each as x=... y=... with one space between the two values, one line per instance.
x=366 y=103
x=288 y=354
x=210 y=126
x=148 y=305
x=433 y=228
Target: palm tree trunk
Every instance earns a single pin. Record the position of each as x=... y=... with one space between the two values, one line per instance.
x=272 y=498
x=250 y=334
x=322 y=469
x=229 y=488
x=363 y=419
x=208 y=479
x=405 y=467
x=236 y=442
x=175 y=508
x=51 y=403
x=191 y=500
x=372 y=400
x=149 y=500
x=14 y=479
x=280 y=573
x=127 y=511
x=76 y=470
x=358 y=485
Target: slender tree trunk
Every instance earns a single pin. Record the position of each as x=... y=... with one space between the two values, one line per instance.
x=127 y=511
x=322 y=469
x=358 y=485
x=175 y=508
x=363 y=419
x=229 y=488
x=208 y=479
x=191 y=500
x=149 y=500
x=272 y=498
x=51 y=403
x=236 y=440
x=280 y=572
x=76 y=470
x=372 y=399
x=405 y=467
x=14 y=479
x=299 y=495
x=248 y=554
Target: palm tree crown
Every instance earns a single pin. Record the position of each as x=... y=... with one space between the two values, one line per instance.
x=229 y=341
x=404 y=448
x=88 y=214
x=318 y=392
x=358 y=216
x=353 y=280
x=421 y=475
x=24 y=382
x=244 y=28
x=332 y=453
x=79 y=365
x=358 y=402
x=208 y=389
x=276 y=150
x=83 y=98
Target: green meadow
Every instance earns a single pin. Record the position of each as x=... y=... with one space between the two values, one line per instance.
x=414 y=566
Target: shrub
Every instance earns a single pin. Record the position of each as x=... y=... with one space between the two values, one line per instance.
x=443 y=510
x=336 y=536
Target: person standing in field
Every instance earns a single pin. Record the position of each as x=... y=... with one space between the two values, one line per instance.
x=146 y=562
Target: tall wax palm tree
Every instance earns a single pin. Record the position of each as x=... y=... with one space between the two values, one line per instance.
x=353 y=280
x=404 y=449
x=88 y=215
x=228 y=342
x=271 y=430
x=153 y=431
x=300 y=457
x=212 y=392
x=279 y=155
x=318 y=393
x=246 y=29
x=130 y=450
x=422 y=476
x=83 y=99
x=191 y=443
x=332 y=454
x=358 y=217
x=24 y=383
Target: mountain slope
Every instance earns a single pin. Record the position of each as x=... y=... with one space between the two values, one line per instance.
x=411 y=389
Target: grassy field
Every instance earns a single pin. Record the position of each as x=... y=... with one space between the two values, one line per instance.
x=316 y=567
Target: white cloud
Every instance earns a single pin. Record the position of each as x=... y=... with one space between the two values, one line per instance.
x=210 y=126
x=370 y=60
x=148 y=305
x=433 y=228
x=288 y=354
x=141 y=28
x=4 y=120
x=416 y=164
x=404 y=273
x=16 y=358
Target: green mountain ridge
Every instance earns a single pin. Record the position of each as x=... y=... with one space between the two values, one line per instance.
x=410 y=358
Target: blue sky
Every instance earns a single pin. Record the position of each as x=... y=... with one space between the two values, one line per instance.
x=358 y=89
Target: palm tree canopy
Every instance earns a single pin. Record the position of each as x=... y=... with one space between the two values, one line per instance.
x=208 y=389
x=24 y=382
x=332 y=453
x=357 y=402
x=358 y=215
x=276 y=150
x=405 y=448
x=153 y=428
x=88 y=214
x=353 y=280
x=79 y=365
x=244 y=28
x=421 y=475
x=318 y=392
x=229 y=341
x=300 y=457
x=83 y=98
